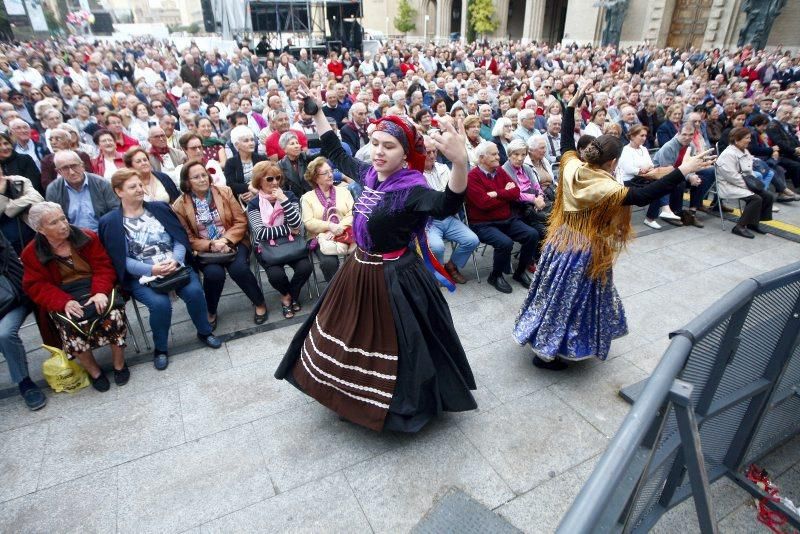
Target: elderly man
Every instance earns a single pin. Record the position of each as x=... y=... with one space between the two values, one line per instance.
x=526 y=128
x=354 y=132
x=491 y=194
x=552 y=138
x=334 y=109
x=304 y=65
x=671 y=155
x=450 y=228
x=164 y=158
x=191 y=72
x=279 y=124
x=123 y=140
x=782 y=133
x=23 y=144
x=84 y=197
x=487 y=122
x=60 y=140
x=627 y=120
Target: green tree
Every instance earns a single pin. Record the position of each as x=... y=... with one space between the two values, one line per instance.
x=406 y=17
x=193 y=28
x=482 y=16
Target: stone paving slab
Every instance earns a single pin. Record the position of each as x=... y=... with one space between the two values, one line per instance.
x=215 y=444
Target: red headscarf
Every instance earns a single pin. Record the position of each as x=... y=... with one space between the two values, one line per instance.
x=409 y=137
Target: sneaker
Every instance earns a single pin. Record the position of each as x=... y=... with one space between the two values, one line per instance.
x=775 y=209
x=34 y=398
x=160 y=360
x=668 y=215
x=652 y=224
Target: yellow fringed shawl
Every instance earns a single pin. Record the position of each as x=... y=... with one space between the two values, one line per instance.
x=588 y=213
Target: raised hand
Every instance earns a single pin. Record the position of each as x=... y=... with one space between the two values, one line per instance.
x=698 y=162
x=451 y=143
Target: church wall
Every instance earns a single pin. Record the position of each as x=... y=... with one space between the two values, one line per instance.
x=633 y=28
x=786 y=30
x=582 y=21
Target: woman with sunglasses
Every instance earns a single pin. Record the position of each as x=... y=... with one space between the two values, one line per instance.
x=274 y=214
x=380 y=348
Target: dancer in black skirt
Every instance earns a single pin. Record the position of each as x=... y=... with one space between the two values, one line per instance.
x=379 y=348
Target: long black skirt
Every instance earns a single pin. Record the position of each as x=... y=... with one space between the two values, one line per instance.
x=430 y=373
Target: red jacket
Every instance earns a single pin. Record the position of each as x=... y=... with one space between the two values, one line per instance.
x=42 y=281
x=274 y=148
x=483 y=208
x=337 y=68
x=127 y=143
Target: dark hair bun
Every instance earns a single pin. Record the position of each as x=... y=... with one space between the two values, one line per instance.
x=592 y=154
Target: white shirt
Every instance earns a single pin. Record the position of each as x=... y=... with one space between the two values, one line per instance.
x=438 y=176
x=28 y=75
x=593 y=129
x=631 y=162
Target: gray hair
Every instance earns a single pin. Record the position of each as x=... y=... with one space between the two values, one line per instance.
x=283 y=142
x=241 y=132
x=499 y=124
x=525 y=114
x=65 y=155
x=39 y=211
x=483 y=147
x=534 y=140
x=516 y=145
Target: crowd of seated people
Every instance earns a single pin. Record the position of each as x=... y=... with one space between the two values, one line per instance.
x=212 y=160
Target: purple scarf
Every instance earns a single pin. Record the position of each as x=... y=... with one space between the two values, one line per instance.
x=373 y=197
x=328 y=204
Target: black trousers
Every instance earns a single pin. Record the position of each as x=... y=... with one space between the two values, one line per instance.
x=501 y=236
x=328 y=263
x=758 y=207
x=792 y=167
x=280 y=281
x=239 y=269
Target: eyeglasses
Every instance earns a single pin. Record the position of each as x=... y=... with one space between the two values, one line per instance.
x=159 y=136
x=272 y=178
x=72 y=167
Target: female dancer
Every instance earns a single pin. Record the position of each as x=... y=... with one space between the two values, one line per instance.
x=379 y=348
x=573 y=311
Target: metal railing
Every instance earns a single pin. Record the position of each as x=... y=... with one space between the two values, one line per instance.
x=725 y=394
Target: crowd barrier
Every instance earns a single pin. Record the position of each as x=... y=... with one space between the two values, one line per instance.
x=724 y=395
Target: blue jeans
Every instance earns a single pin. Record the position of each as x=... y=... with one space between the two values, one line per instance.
x=160 y=307
x=698 y=193
x=452 y=229
x=766 y=178
x=11 y=344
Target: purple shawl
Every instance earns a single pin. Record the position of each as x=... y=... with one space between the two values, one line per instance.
x=401 y=181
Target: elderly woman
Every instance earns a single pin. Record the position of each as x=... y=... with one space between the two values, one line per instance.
x=533 y=203
x=327 y=216
x=146 y=241
x=14 y=163
x=733 y=166
x=502 y=134
x=239 y=168
x=293 y=164
x=216 y=224
x=108 y=159
x=213 y=147
x=68 y=274
x=472 y=127
x=596 y=122
x=537 y=149
x=157 y=185
x=274 y=214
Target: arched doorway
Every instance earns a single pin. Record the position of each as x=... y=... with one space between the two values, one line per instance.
x=455 y=20
x=555 y=17
x=516 y=19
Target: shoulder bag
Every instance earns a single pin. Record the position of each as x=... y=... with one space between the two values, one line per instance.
x=171 y=282
x=81 y=291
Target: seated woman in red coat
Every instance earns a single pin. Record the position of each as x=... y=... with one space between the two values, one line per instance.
x=57 y=263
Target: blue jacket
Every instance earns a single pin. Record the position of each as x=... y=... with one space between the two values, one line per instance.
x=112 y=235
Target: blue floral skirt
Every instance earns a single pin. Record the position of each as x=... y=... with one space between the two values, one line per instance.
x=566 y=314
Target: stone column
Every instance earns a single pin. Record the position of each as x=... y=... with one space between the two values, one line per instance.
x=464 y=15
x=444 y=14
x=501 y=11
x=534 y=20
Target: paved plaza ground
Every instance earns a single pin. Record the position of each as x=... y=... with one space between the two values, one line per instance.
x=216 y=444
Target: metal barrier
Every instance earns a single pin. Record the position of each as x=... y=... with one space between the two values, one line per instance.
x=725 y=394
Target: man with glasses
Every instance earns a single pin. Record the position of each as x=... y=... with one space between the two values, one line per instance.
x=450 y=228
x=25 y=109
x=85 y=197
x=164 y=158
x=167 y=123
x=23 y=144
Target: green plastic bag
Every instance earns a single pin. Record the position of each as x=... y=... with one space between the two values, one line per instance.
x=63 y=374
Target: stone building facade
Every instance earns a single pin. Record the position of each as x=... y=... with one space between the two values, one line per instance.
x=676 y=23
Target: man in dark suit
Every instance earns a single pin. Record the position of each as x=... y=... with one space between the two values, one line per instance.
x=782 y=134
x=354 y=132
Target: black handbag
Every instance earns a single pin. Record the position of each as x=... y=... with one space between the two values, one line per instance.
x=215 y=258
x=753 y=184
x=172 y=282
x=286 y=249
x=81 y=291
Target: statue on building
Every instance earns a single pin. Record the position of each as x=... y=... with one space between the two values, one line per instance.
x=760 y=16
x=615 y=11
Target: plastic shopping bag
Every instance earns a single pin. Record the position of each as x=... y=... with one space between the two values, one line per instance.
x=63 y=374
